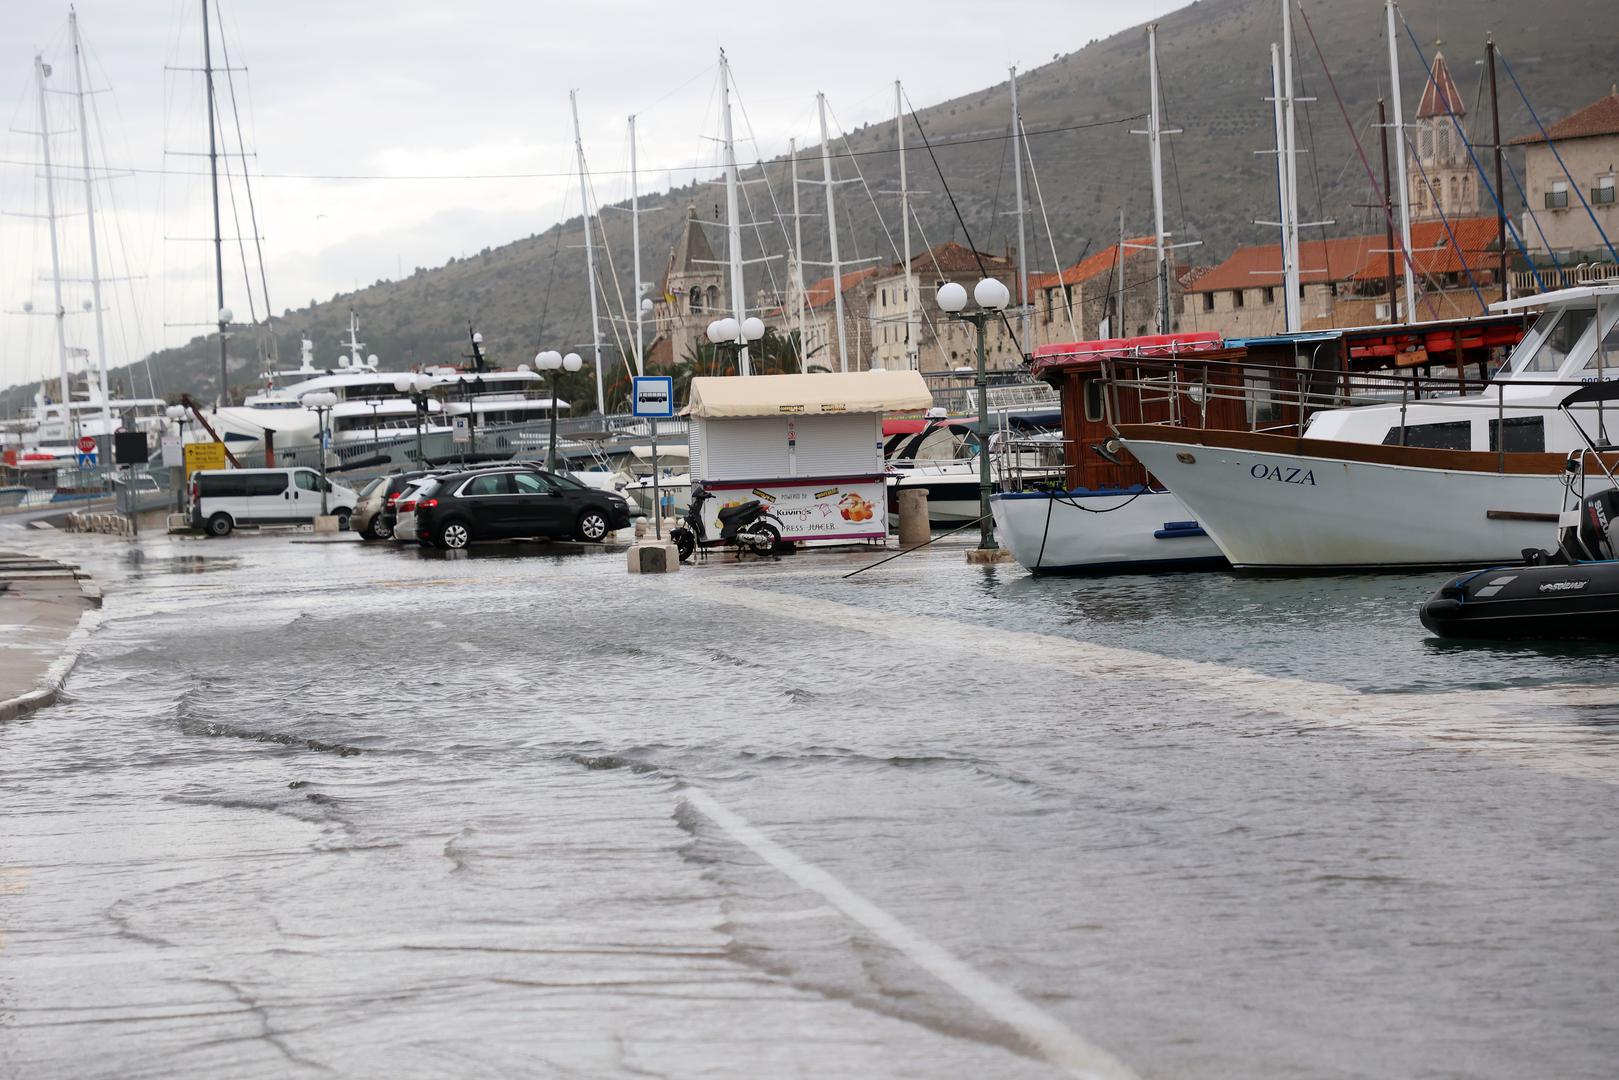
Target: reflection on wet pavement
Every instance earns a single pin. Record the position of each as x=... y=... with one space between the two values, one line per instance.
x=343 y=809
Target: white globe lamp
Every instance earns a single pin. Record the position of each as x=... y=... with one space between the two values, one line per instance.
x=224 y=315
x=572 y=362
x=753 y=328
x=951 y=297
x=991 y=294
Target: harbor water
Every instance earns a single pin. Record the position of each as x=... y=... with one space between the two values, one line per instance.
x=341 y=809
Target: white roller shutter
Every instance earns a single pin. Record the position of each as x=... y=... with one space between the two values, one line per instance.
x=833 y=445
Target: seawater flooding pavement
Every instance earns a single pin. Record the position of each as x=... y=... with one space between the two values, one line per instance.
x=339 y=809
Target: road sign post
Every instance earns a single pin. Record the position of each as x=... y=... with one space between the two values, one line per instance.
x=654 y=396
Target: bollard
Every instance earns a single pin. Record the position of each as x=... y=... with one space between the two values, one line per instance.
x=653 y=557
x=913 y=517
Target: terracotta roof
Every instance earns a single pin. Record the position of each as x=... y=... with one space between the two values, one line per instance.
x=1440 y=91
x=819 y=293
x=1601 y=117
x=1087 y=268
x=1350 y=258
x=952 y=259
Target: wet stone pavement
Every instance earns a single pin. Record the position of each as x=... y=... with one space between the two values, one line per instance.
x=312 y=810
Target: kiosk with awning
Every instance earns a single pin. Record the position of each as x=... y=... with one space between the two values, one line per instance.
x=809 y=446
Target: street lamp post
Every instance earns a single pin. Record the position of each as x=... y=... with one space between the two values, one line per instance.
x=322 y=402
x=554 y=363
x=177 y=413
x=992 y=298
x=376 y=432
x=731 y=337
x=415 y=387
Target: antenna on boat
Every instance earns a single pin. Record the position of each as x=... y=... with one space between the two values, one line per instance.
x=356 y=358
x=1399 y=161
x=41 y=71
x=832 y=232
x=476 y=356
x=219 y=240
x=733 y=222
x=635 y=244
x=590 y=255
x=911 y=297
x=1020 y=211
x=90 y=219
x=306 y=352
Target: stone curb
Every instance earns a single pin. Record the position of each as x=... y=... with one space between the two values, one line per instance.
x=55 y=675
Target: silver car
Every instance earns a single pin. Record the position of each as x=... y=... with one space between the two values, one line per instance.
x=405 y=509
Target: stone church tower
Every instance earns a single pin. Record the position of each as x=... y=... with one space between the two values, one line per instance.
x=1442 y=179
x=690 y=296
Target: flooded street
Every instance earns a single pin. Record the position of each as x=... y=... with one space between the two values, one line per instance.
x=336 y=809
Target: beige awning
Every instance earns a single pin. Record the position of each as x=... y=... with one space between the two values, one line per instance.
x=786 y=395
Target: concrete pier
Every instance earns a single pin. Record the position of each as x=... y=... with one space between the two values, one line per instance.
x=41 y=603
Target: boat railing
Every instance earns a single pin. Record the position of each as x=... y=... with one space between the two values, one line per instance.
x=1188 y=392
x=1006 y=390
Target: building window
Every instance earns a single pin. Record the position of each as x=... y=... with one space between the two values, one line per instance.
x=713 y=298
x=885 y=298
x=1208 y=301
x=1603 y=192
x=1268 y=295
x=1236 y=298
x=696 y=300
x=1557 y=197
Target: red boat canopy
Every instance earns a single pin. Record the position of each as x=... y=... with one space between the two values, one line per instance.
x=904 y=427
x=1083 y=353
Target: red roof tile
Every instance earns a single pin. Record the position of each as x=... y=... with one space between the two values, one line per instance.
x=1440 y=91
x=1349 y=258
x=820 y=292
x=1087 y=268
x=1601 y=117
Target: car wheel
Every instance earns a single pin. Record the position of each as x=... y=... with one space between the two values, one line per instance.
x=379 y=529
x=342 y=521
x=453 y=536
x=220 y=525
x=592 y=526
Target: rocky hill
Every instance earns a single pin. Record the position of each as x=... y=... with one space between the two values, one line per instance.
x=1214 y=58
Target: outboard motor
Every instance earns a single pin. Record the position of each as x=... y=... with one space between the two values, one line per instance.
x=1590 y=531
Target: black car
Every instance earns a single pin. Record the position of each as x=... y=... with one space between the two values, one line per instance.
x=502 y=504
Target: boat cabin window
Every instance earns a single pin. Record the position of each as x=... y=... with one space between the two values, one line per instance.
x=1524 y=435
x=1559 y=341
x=1451 y=435
x=1095 y=405
x=1605 y=357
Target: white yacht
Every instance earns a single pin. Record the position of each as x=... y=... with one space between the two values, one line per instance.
x=1468 y=480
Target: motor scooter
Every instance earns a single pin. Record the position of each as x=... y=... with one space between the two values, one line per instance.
x=749 y=526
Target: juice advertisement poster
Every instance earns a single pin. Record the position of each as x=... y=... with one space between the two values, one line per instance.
x=813 y=510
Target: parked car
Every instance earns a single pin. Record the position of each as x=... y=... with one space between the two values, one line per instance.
x=222 y=499
x=518 y=501
x=375 y=514
x=405 y=508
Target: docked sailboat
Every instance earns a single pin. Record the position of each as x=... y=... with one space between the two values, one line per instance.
x=1468 y=480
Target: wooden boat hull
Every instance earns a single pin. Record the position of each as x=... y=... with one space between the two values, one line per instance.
x=1290 y=504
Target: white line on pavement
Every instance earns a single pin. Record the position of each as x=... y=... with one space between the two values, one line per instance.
x=1043 y=1032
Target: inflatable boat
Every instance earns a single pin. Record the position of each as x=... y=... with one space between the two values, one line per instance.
x=1570 y=593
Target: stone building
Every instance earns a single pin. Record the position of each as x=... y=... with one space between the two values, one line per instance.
x=820 y=344
x=692 y=293
x=1344 y=280
x=935 y=341
x=1090 y=291
x=1588 y=142
x=1442 y=179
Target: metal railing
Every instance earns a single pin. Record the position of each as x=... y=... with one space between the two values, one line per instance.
x=1524 y=283
x=1007 y=390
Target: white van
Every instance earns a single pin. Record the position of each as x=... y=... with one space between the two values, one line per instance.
x=222 y=499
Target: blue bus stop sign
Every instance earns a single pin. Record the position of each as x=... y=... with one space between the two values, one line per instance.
x=653 y=396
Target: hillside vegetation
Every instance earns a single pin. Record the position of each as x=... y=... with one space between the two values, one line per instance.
x=1214 y=56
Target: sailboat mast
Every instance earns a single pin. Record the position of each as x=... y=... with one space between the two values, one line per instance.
x=635 y=244
x=1017 y=194
x=1117 y=329
x=1290 y=209
x=832 y=231
x=1388 y=209
x=40 y=71
x=1495 y=130
x=213 y=172
x=733 y=222
x=798 y=250
x=1399 y=167
x=905 y=230
x=1155 y=133
x=90 y=221
x=590 y=256
x=1283 y=200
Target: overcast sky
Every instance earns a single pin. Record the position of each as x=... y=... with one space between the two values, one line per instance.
x=427 y=88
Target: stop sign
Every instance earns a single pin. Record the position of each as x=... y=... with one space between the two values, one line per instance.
x=87 y=444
